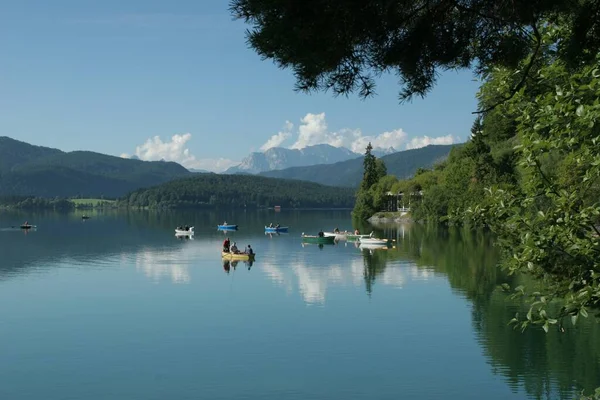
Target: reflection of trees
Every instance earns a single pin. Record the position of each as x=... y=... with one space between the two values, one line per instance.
x=547 y=366
x=375 y=262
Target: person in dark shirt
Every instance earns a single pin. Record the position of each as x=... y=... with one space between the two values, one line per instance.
x=226 y=243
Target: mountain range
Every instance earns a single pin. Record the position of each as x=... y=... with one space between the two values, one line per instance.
x=349 y=173
x=28 y=170
x=278 y=158
x=45 y=172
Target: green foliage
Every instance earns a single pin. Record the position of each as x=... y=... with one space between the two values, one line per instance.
x=370 y=170
x=212 y=190
x=36 y=203
x=349 y=173
x=374 y=186
x=550 y=222
x=343 y=46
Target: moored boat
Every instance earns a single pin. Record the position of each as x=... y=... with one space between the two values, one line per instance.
x=318 y=239
x=356 y=238
x=183 y=231
x=337 y=235
x=374 y=241
x=274 y=229
x=238 y=256
x=227 y=227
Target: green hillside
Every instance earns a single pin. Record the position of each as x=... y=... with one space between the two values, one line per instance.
x=208 y=190
x=40 y=171
x=349 y=173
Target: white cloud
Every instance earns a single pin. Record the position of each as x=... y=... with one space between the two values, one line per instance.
x=154 y=149
x=423 y=141
x=384 y=140
x=280 y=137
x=125 y=155
x=313 y=130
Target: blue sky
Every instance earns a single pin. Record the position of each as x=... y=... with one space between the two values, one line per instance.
x=109 y=75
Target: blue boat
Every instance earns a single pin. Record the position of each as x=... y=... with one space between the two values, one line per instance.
x=275 y=229
x=227 y=227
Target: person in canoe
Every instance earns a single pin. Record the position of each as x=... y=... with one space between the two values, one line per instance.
x=226 y=243
x=234 y=249
x=336 y=230
x=356 y=232
x=321 y=234
x=271 y=225
x=249 y=250
x=277 y=226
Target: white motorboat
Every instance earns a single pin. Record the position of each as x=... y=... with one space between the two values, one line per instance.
x=184 y=232
x=373 y=241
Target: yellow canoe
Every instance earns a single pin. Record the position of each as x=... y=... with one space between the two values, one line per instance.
x=239 y=256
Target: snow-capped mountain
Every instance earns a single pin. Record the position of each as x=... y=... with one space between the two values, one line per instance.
x=280 y=158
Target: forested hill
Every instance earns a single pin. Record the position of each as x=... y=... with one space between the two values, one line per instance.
x=209 y=190
x=40 y=171
x=349 y=173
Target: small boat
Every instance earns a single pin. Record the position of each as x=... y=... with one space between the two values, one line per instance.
x=275 y=229
x=184 y=232
x=238 y=256
x=227 y=227
x=85 y=217
x=355 y=238
x=374 y=241
x=27 y=226
x=337 y=235
x=318 y=239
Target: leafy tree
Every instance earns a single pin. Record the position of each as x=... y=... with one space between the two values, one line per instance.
x=550 y=222
x=343 y=46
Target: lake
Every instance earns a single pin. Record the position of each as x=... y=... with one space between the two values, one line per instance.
x=116 y=307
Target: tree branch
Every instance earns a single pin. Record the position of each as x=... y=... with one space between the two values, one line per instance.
x=526 y=72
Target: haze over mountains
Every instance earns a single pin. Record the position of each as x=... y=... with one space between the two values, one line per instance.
x=278 y=158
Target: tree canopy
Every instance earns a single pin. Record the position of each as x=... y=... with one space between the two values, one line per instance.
x=343 y=45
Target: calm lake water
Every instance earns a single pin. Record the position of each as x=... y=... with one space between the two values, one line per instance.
x=116 y=307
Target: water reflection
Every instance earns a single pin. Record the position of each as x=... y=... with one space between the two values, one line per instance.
x=159 y=265
x=546 y=366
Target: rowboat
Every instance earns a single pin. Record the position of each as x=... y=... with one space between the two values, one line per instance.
x=238 y=256
x=185 y=232
x=27 y=226
x=356 y=238
x=227 y=227
x=85 y=217
x=275 y=229
x=318 y=239
x=373 y=241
